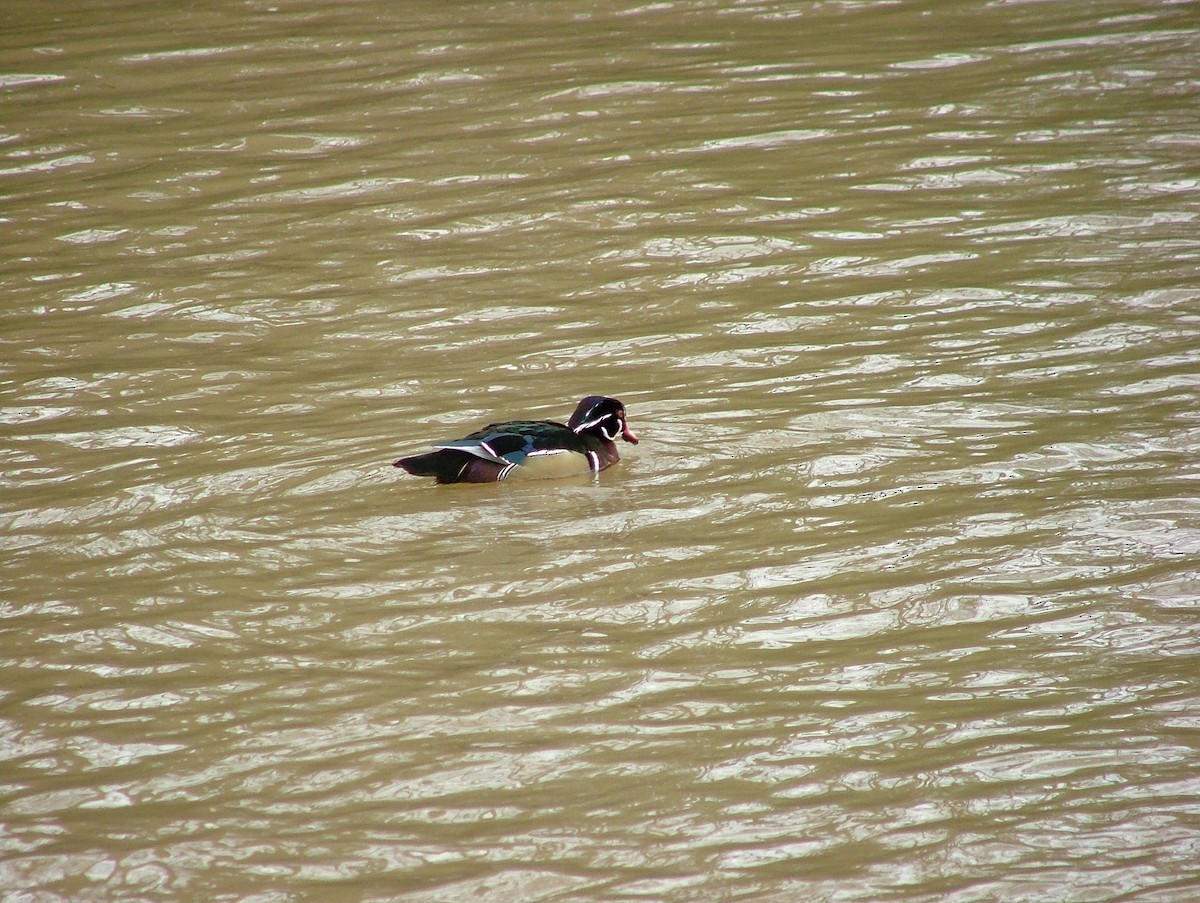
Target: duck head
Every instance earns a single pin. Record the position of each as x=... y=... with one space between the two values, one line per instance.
x=603 y=417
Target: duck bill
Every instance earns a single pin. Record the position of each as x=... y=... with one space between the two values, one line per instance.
x=627 y=434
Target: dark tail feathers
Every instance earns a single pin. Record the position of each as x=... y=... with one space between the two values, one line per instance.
x=451 y=466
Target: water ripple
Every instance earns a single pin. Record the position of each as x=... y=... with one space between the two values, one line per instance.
x=894 y=601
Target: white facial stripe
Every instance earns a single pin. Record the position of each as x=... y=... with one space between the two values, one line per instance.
x=608 y=432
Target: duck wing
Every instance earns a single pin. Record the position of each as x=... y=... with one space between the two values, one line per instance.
x=514 y=441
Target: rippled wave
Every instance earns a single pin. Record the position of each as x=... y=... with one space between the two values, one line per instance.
x=896 y=599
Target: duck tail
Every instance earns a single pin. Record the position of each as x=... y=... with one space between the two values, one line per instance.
x=429 y=465
x=450 y=465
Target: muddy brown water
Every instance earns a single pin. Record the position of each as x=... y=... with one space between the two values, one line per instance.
x=898 y=598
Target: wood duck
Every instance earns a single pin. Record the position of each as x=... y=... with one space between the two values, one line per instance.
x=531 y=448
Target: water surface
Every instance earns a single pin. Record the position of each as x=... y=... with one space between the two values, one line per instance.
x=896 y=600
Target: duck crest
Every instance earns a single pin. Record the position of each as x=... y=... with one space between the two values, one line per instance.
x=531 y=448
x=602 y=416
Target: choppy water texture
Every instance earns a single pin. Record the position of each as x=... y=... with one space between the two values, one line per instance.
x=898 y=599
